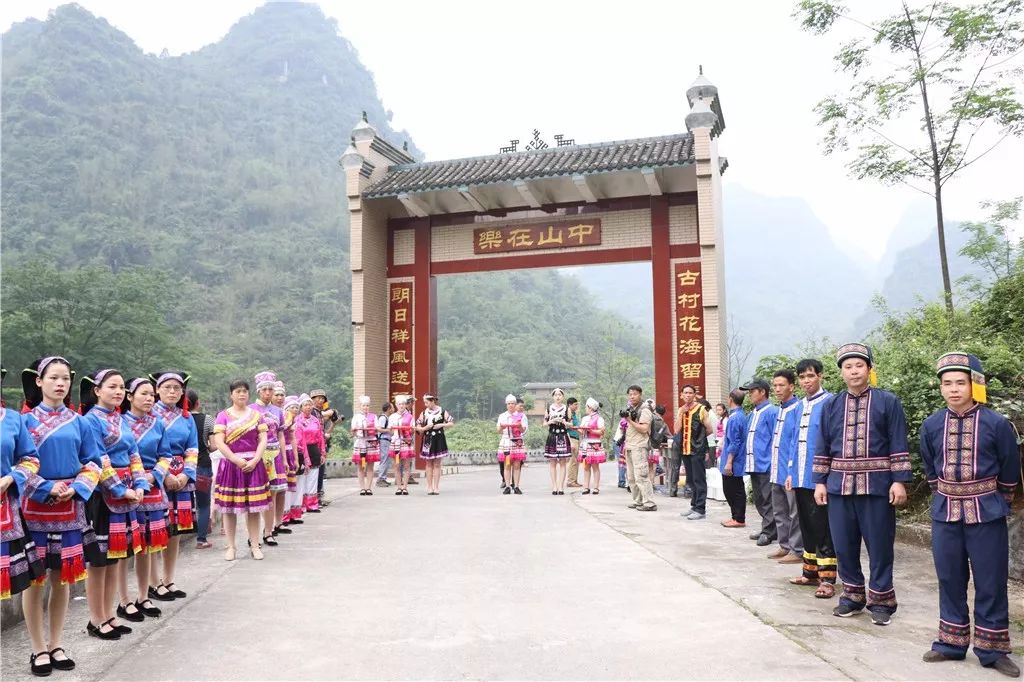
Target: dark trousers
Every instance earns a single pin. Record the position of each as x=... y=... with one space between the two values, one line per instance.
x=203 y=505
x=819 y=554
x=697 y=477
x=736 y=494
x=501 y=469
x=960 y=550
x=761 y=491
x=870 y=518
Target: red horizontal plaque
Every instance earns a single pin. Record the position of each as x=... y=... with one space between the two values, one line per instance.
x=551 y=235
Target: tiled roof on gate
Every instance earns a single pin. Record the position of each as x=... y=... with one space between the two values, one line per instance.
x=650 y=152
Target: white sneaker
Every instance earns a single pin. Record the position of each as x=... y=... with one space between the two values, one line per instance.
x=695 y=516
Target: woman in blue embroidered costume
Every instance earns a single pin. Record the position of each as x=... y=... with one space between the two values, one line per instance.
x=148 y=432
x=20 y=564
x=112 y=512
x=558 y=449
x=180 y=482
x=432 y=422
x=69 y=454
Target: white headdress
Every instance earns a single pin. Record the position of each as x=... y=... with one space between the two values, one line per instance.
x=593 y=404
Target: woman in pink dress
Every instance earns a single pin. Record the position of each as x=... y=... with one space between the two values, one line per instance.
x=591 y=452
x=242 y=487
x=311 y=448
x=510 y=448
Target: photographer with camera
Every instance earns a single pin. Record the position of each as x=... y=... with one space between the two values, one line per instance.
x=638 y=418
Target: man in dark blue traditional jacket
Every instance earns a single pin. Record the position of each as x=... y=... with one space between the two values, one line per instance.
x=972 y=462
x=861 y=464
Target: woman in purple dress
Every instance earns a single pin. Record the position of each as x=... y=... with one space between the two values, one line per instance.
x=242 y=487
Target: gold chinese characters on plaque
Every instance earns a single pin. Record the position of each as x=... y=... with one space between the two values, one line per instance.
x=551 y=235
x=689 y=326
x=400 y=338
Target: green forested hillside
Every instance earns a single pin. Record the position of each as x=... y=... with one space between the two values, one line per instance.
x=186 y=211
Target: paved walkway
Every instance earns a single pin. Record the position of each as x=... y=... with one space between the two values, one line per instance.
x=476 y=585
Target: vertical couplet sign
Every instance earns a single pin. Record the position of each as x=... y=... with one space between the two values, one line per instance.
x=400 y=338
x=689 y=326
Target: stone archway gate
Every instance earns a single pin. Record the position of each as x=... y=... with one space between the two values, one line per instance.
x=652 y=199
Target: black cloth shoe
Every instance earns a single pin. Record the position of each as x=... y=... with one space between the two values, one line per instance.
x=154 y=593
x=96 y=632
x=845 y=611
x=1007 y=667
x=517 y=491
x=506 y=491
x=178 y=594
x=283 y=531
x=40 y=669
x=586 y=491
x=880 y=617
x=136 y=616
x=269 y=541
x=932 y=656
x=121 y=629
x=561 y=492
x=61 y=663
x=297 y=522
x=148 y=611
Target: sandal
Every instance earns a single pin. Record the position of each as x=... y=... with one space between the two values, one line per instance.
x=41 y=669
x=149 y=611
x=585 y=492
x=825 y=591
x=803 y=580
x=61 y=663
x=595 y=491
x=405 y=492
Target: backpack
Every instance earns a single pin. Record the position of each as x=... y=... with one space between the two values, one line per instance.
x=659 y=432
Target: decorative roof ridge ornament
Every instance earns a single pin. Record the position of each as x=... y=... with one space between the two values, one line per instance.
x=536 y=143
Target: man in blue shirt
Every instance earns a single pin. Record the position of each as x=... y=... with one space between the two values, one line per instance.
x=758 y=451
x=861 y=465
x=787 y=525
x=971 y=459
x=800 y=434
x=732 y=461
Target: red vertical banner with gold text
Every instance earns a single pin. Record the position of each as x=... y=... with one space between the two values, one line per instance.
x=400 y=338
x=689 y=326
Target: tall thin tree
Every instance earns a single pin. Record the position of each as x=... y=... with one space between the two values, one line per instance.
x=934 y=87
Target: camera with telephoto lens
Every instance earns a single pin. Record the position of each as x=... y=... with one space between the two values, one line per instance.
x=630 y=412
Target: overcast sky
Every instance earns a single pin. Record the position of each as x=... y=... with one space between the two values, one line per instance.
x=465 y=77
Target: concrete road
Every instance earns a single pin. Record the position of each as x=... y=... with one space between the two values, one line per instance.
x=476 y=585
